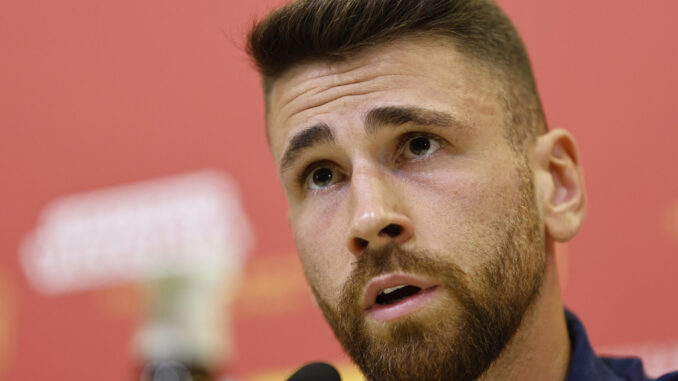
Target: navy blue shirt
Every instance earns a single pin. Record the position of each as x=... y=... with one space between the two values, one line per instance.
x=586 y=366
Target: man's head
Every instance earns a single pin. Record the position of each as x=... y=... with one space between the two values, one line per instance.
x=409 y=139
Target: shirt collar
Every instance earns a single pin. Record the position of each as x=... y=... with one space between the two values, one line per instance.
x=584 y=364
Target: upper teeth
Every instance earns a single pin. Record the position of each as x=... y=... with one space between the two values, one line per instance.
x=391 y=289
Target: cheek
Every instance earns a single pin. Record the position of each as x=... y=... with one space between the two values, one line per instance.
x=320 y=236
x=463 y=210
x=463 y=195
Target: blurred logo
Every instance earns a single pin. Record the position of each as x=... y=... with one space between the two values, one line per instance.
x=137 y=231
x=671 y=221
x=6 y=323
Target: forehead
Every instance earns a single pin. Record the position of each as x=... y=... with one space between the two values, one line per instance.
x=424 y=71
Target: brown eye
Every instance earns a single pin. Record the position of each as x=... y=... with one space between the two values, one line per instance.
x=322 y=177
x=420 y=146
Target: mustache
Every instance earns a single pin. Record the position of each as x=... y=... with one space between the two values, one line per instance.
x=391 y=258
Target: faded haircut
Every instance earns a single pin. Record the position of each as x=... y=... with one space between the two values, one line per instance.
x=334 y=30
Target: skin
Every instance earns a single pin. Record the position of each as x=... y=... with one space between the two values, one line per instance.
x=446 y=200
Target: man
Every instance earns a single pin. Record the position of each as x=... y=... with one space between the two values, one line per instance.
x=425 y=190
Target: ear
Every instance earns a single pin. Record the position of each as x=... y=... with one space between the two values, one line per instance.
x=559 y=184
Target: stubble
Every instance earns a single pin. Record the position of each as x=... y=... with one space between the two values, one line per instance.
x=485 y=309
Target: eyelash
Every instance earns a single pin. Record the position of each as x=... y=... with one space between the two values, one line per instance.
x=409 y=136
x=302 y=177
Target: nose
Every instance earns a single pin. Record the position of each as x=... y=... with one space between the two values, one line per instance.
x=378 y=215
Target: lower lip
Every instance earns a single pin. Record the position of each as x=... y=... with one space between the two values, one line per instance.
x=402 y=308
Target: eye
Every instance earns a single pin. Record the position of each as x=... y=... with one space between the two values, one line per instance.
x=418 y=146
x=320 y=176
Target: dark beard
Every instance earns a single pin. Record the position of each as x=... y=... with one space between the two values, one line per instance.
x=461 y=342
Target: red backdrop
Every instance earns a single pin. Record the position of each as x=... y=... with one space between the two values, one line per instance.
x=96 y=94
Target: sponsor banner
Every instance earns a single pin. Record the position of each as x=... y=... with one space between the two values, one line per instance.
x=137 y=231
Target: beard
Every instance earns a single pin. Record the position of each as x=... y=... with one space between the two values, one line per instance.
x=459 y=338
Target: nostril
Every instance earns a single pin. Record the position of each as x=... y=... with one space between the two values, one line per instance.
x=392 y=230
x=360 y=243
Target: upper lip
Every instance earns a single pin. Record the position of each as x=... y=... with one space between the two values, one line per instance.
x=391 y=280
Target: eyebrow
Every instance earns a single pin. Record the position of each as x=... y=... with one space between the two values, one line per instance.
x=387 y=116
x=395 y=116
x=319 y=133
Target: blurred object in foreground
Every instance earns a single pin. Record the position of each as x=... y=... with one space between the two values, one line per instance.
x=183 y=239
x=174 y=371
x=136 y=232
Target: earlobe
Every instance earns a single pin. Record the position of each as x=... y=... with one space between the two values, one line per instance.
x=560 y=184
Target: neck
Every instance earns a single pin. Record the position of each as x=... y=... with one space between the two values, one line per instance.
x=540 y=350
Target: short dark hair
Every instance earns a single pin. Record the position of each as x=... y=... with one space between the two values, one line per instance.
x=333 y=30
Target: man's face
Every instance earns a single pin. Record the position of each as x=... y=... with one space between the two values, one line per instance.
x=398 y=173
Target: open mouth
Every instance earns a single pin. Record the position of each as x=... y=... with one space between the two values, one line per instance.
x=395 y=294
